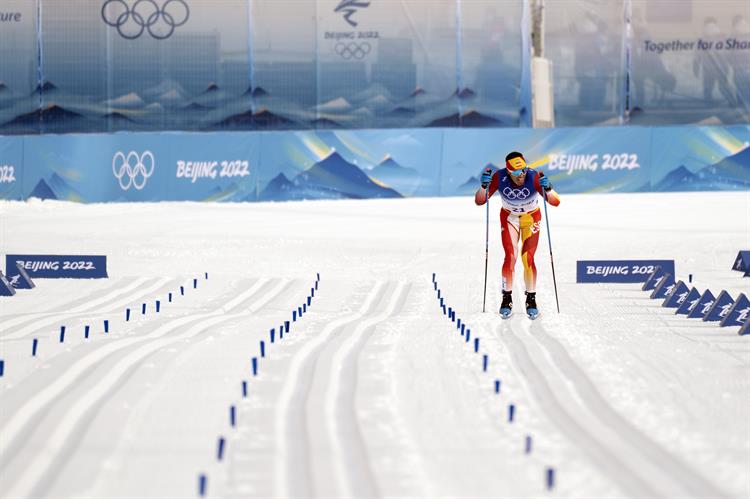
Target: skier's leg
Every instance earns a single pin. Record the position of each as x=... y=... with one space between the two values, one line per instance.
x=509 y=232
x=530 y=227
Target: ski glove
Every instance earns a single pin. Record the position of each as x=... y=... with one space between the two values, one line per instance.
x=544 y=181
x=486 y=178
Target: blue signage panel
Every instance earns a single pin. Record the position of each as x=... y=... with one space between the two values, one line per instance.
x=720 y=308
x=739 y=313
x=702 y=306
x=57 y=266
x=688 y=302
x=742 y=262
x=620 y=270
x=665 y=285
x=677 y=296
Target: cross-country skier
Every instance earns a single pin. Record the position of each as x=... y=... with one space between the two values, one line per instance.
x=519 y=187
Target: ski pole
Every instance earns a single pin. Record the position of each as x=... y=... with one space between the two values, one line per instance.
x=552 y=260
x=486 y=242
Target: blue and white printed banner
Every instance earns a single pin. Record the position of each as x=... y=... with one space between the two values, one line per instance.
x=57 y=266
x=620 y=270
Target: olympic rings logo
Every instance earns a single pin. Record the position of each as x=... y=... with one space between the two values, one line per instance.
x=145 y=15
x=131 y=170
x=516 y=193
x=352 y=50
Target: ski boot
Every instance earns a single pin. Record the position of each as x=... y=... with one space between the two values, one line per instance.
x=506 y=307
x=531 y=310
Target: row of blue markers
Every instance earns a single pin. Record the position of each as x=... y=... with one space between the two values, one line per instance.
x=274 y=336
x=465 y=334
x=35 y=343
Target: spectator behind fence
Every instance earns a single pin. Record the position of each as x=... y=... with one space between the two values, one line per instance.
x=711 y=64
x=648 y=67
x=739 y=59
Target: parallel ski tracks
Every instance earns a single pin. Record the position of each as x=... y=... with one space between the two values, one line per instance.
x=316 y=410
x=39 y=474
x=569 y=398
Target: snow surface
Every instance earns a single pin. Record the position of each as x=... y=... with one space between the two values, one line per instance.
x=373 y=392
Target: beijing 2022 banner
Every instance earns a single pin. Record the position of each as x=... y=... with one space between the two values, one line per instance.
x=279 y=166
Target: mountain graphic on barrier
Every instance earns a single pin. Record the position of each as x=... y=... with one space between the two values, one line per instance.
x=51 y=116
x=263 y=118
x=56 y=188
x=469 y=187
x=42 y=191
x=330 y=178
x=391 y=173
x=471 y=118
x=474 y=182
x=731 y=173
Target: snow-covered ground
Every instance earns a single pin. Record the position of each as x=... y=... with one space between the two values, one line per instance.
x=373 y=392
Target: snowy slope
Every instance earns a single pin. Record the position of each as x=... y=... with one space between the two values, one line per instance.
x=373 y=392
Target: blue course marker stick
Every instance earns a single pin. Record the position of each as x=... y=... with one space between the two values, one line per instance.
x=202 y=484
x=62 y=334
x=439 y=296
x=127 y=314
x=281 y=332
x=232 y=416
x=485 y=361
x=294 y=316
x=316 y=284
x=220 y=449
x=244 y=389
x=143 y=309
x=497 y=386
x=34 y=345
x=2 y=367
x=550 y=478
x=206 y=274
x=304 y=308
x=255 y=366
x=442 y=302
x=468 y=336
x=299 y=312
x=435 y=285
x=195 y=283
x=158 y=306
x=690 y=277
x=170 y=297
x=444 y=310
x=528 y=444
x=511 y=412
x=86 y=329
x=286 y=326
x=458 y=326
x=312 y=292
x=433 y=277
x=318 y=276
x=450 y=312
x=476 y=345
x=262 y=348
x=273 y=334
x=308 y=301
x=463 y=329
x=106 y=326
x=182 y=290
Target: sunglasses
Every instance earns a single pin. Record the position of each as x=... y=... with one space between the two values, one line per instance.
x=517 y=173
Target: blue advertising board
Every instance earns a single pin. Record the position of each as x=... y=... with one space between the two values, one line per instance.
x=57 y=266
x=361 y=164
x=620 y=270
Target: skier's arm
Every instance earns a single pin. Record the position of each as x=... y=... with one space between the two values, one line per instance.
x=482 y=194
x=546 y=190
